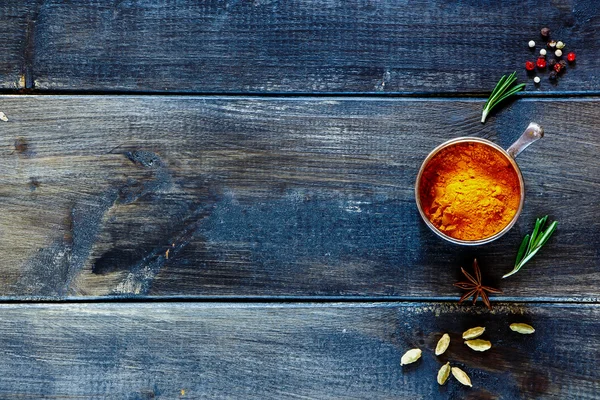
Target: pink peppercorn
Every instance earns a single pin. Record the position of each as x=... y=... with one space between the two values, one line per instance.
x=571 y=57
x=529 y=66
x=541 y=63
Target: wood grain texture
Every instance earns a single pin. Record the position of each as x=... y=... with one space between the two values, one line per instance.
x=408 y=46
x=16 y=34
x=195 y=196
x=159 y=351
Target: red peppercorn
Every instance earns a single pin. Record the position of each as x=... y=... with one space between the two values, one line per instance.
x=558 y=67
x=541 y=63
x=529 y=66
x=571 y=57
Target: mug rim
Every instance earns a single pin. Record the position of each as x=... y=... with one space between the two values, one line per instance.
x=467 y=139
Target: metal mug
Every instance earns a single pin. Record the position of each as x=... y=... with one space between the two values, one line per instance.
x=533 y=133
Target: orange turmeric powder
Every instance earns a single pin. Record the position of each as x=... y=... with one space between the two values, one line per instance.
x=469 y=191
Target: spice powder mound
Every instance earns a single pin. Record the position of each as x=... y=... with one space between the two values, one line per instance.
x=469 y=191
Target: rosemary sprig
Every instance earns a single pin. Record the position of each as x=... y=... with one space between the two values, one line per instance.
x=531 y=244
x=504 y=88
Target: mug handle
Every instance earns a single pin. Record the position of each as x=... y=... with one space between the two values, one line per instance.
x=533 y=133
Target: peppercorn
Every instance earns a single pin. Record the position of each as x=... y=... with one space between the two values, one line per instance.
x=558 y=67
x=542 y=52
x=531 y=44
x=558 y=53
x=552 y=76
x=529 y=66
x=563 y=64
x=541 y=63
x=571 y=57
x=536 y=79
x=560 y=45
x=545 y=32
x=552 y=44
x=552 y=62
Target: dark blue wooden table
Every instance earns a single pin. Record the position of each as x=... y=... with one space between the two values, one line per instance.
x=216 y=199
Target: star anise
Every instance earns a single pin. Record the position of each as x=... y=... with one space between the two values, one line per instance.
x=474 y=287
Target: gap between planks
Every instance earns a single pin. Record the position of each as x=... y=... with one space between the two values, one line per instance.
x=290 y=300
x=297 y=95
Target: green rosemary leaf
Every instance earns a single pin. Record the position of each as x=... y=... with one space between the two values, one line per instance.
x=528 y=257
x=500 y=88
x=503 y=89
x=533 y=242
x=512 y=91
x=509 y=91
x=507 y=83
x=506 y=79
x=538 y=222
x=522 y=249
x=539 y=234
x=497 y=89
x=510 y=80
x=546 y=235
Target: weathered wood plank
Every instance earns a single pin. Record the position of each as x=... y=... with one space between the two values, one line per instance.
x=275 y=197
x=219 y=46
x=16 y=22
x=169 y=351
